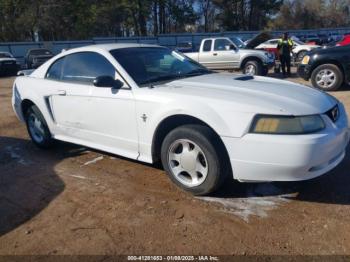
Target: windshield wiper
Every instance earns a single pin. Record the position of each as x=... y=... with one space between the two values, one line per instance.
x=159 y=78
x=176 y=76
x=198 y=72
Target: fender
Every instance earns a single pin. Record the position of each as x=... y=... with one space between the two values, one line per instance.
x=251 y=58
x=214 y=119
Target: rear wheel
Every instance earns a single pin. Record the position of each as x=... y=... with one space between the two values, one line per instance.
x=327 y=77
x=252 y=68
x=37 y=128
x=190 y=156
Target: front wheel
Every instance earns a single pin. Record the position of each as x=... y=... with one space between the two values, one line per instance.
x=327 y=77
x=252 y=68
x=190 y=157
x=37 y=128
x=301 y=55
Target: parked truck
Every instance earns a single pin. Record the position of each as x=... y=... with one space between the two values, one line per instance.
x=222 y=53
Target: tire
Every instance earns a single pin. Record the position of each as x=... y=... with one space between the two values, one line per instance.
x=265 y=71
x=335 y=77
x=252 y=67
x=300 y=55
x=41 y=135
x=204 y=156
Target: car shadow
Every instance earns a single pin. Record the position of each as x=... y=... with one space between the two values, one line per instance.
x=330 y=188
x=28 y=181
x=293 y=75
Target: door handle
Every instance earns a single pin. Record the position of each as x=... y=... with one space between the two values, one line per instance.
x=215 y=54
x=61 y=92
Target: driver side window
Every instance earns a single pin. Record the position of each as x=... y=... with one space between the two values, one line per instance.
x=81 y=67
x=221 y=44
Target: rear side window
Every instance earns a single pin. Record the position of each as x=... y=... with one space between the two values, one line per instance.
x=207 y=45
x=85 y=67
x=55 y=70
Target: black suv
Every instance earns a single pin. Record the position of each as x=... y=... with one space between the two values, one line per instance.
x=327 y=68
x=36 y=57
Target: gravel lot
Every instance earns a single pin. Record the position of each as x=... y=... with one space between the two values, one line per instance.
x=74 y=200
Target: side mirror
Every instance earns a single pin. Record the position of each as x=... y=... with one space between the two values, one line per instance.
x=108 y=81
x=232 y=47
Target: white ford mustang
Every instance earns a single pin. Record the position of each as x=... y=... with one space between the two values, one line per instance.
x=150 y=103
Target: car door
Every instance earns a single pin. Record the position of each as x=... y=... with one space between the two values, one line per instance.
x=98 y=117
x=223 y=56
x=205 y=54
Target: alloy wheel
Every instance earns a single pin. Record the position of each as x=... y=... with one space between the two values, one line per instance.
x=36 y=128
x=187 y=162
x=326 y=78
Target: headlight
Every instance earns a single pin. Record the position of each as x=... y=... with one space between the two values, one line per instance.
x=305 y=60
x=287 y=125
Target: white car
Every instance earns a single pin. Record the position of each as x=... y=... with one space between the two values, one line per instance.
x=149 y=103
x=299 y=49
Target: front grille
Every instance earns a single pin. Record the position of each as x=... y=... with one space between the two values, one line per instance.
x=41 y=60
x=333 y=113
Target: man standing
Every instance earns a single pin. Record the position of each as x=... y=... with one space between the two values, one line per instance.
x=284 y=47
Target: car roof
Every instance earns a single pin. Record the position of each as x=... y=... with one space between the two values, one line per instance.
x=32 y=49
x=109 y=47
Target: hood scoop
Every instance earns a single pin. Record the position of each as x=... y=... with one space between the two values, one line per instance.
x=244 y=78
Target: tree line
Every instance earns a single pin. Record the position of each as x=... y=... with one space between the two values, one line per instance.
x=24 y=20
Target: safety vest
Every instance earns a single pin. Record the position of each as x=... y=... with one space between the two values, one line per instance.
x=281 y=43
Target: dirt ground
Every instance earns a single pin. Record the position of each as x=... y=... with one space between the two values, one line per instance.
x=74 y=200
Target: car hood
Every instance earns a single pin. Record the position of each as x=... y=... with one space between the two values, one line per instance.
x=252 y=52
x=7 y=59
x=309 y=46
x=250 y=94
x=328 y=50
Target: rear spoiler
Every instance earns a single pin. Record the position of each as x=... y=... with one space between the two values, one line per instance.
x=25 y=72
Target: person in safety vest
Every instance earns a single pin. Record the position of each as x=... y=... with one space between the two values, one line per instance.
x=284 y=47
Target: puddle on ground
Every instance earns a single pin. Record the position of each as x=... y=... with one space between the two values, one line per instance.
x=259 y=200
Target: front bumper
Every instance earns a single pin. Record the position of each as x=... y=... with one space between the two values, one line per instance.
x=304 y=71
x=269 y=64
x=257 y=157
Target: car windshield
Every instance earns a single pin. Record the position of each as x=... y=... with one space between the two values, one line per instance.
x=5 y=55
x=40 y=52
x=147 y=65
x=238 y=42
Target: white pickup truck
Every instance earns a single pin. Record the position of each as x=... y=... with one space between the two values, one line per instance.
x=222 y=53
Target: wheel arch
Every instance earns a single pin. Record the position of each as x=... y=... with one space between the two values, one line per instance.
x=25 y=105
x=170 y=123
x=251 y=58
x=302 y=50
x=329 y=61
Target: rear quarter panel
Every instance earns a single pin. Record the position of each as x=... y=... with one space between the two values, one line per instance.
x=35 y=90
